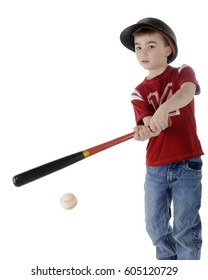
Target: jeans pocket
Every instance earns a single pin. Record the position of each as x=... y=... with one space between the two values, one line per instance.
x=194 y=164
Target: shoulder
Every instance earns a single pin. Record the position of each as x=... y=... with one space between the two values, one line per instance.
x=184 y=71
x=185 y=68
x=140 y=88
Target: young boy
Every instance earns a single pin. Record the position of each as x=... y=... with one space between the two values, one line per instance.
x=164 y=109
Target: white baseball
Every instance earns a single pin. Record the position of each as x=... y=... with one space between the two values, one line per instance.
x=68 y=201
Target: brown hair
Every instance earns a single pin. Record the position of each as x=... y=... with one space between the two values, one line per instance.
x=150 y=31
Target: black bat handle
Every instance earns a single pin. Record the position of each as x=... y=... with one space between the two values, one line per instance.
x=46 y=169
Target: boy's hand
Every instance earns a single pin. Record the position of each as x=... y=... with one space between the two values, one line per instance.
x=143 y=133
x=159 y=120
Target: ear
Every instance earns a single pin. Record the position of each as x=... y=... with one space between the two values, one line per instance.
x=168 y=50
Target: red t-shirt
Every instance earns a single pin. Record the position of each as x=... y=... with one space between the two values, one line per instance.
x=180 y=141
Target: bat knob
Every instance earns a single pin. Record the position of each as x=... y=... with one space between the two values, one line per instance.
x=15 y=180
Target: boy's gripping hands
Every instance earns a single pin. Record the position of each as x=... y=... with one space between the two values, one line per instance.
x=150 y=128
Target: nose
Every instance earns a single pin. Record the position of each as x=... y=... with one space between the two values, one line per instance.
x=143 y=53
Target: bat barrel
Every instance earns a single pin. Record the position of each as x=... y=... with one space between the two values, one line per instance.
x=46 y=169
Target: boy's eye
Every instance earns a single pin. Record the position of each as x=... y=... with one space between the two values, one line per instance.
x=138 y=48
x=151 y=46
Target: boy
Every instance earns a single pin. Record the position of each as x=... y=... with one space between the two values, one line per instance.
x=164 y=109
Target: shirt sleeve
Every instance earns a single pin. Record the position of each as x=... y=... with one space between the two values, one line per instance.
x=187 y=74
x=141 y=107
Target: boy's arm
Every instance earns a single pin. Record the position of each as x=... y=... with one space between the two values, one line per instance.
x=180 y=99
x=153 y=125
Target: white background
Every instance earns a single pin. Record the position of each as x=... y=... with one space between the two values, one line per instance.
x=65 y=85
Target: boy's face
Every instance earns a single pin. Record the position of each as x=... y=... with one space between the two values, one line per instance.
x=151 y=51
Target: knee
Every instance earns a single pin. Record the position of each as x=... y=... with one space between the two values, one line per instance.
x=154 y=231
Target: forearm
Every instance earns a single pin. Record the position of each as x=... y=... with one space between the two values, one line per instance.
x=160 y=120
x=180 y=99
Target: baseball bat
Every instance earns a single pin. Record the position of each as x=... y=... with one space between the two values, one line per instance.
x=53 y=166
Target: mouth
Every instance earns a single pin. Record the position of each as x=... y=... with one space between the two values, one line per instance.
x=145 y=61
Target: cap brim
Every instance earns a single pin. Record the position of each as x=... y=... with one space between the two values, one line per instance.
x=126 y=34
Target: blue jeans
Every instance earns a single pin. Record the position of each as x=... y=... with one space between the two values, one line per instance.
x=174 y=186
